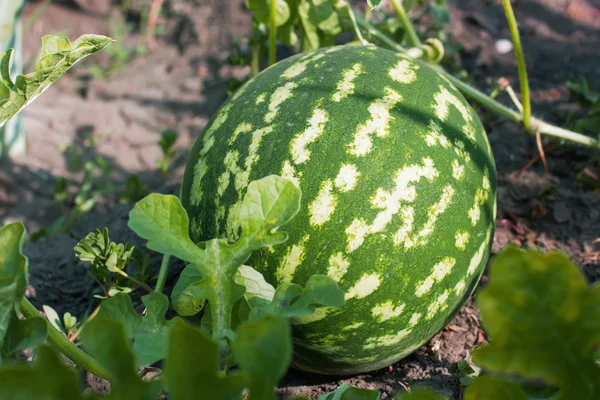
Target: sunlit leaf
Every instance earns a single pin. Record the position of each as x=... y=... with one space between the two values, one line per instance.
x=192 y=367
x=148 y=332
x=58 y=54
x=544 y=322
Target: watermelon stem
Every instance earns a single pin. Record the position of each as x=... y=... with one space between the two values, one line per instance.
x=514 y=32
x=485 y=100
x=272 y=32
x=408 y=27
x=59 y=341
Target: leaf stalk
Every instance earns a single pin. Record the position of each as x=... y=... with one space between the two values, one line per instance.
x=58 y=340
x=272 y=32
x=408 y=26
x=522 y=68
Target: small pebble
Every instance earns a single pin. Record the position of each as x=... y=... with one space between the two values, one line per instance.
x=504 y=46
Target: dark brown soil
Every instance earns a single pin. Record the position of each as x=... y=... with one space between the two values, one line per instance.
x=182 y=82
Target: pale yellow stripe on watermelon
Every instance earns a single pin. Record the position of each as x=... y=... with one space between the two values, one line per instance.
x=435 y=137
x=443 y=99
x=338 y=266
x=422 y=238
x=408 y=219
x=347 y=178
x=298 y=68
x=366 y=285
x=462 y=239
x=288 y=171
x=377 y=124
x=390 y=202
x=244 y=127
x=440 y=271
x=414 y=319
x=353 y=326
x=481 y=196
x=460 y=288
x=478 y=257
x=386 y=340
x=320 y=314
x=300 y=142
x=323 y=205
x=404 y=72
x=292 y=259
x=232 y=226
x=458 y=170
x=261 y=98
x=345 y=86
x=231 y=167
x=201 y=167
x=440 y=304
x=385 y=311
x=280 y=95
x=459 y=149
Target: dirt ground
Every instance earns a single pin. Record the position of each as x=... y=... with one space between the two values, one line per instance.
x=182 y=82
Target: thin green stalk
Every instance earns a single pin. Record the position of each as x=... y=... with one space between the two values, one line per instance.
x=272 y=32
x=162 y=275
x=61 y=343
x=489 y=103
x=376 y=33
x=255 y=61
x=408 y=26
x=524 y=81
x=136 y=281
x=357 y=32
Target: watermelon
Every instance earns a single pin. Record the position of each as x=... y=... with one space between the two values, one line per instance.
x=398 y=195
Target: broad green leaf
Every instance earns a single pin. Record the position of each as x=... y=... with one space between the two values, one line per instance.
x=192 y=367
x=268 y=204
x=262 y=11
x=310 y=39
x=490 y=388
x=291 y=300
x=186 y=299
x=258 y=293
x=544 y=322
x=106 y=341
x=263 y=350
x=57 y=56
x=48 y=378
x=349 y=392
x=163 y=222
x=149 y=332
x=13 y=273
x=24 y=334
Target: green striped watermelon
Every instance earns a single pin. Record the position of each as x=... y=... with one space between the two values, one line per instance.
x=398 y=188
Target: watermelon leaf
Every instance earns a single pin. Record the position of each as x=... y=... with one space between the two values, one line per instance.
x=491 y=388
x=291 y=300
x=57 y=56
x=261 y=9
x=348 y=392
x=162 y=220
x=13 y=274
x=263 y=350
x=149 y=332
x=544 y=322
x=192 y=367
x=48 y=378
x=24 y=334
x=106 y=340
x=258 y=292
x=269 y=203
